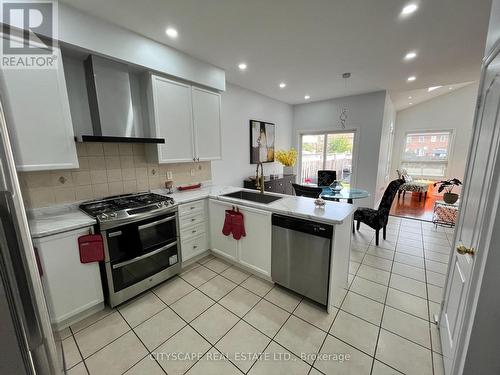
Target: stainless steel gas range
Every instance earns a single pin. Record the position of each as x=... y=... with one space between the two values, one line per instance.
x=141 y=242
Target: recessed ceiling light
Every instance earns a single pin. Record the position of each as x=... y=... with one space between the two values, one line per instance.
x=409 y=9
x=450 y=88
x=171 y=32
x=242 y=66
x=432 y=88
x=411 y=78
x=282 y=85
x=307 y=97
x=410 y=97
x=410 y=103
x=410 y=55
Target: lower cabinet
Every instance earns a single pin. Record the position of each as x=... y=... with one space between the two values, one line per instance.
x=253 y=250
x=71 y=288
x=220 y=244
x=193 y=229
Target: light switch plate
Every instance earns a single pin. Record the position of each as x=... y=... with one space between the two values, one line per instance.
x=192 y=171
x=169 y=175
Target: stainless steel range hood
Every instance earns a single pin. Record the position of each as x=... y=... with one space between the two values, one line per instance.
x=114 y=117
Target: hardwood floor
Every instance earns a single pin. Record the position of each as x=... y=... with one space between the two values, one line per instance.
x=410 y=207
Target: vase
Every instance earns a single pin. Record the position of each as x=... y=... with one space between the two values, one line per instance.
x=287 y=170
x=450 y=198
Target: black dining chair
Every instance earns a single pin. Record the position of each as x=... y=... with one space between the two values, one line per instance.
x=377 y=219
x=307 y=191
x=326 y=177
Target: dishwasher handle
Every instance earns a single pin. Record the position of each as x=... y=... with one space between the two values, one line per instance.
x=305 y=226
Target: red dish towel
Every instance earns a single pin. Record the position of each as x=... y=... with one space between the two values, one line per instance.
x=234 y=223
x=91 y=248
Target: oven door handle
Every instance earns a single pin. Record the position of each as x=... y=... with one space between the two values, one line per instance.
x=157 y=222
x=119 y=265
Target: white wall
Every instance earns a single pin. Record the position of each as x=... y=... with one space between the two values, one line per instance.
x=239 y=106
x=365 y=117
x=453 y=111
x=386 y=149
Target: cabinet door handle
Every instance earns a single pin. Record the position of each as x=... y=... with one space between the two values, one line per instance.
x=193 y=231
x=195 y=247
x=193 y=219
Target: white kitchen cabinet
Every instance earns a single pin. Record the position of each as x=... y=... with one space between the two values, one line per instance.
x=38 y=117
x=207 y=124
x=187 y=117
x=194 y=246
x=193 y=229
x=219 y=243
x=72 y=289
x=172 y=119
x=253 y=250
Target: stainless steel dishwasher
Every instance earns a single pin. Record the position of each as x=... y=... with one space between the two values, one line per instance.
x=300 y=259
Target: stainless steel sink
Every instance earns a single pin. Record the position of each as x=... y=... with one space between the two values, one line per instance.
x=254 y=197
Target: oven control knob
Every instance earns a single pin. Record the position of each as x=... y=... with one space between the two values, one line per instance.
x=103 y=216
x=164 y=203
x=112 y=214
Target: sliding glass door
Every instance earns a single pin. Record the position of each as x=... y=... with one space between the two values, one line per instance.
x=326 y=151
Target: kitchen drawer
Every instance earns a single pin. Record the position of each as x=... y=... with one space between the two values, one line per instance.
x=194 y=246
x=192 y=231
x=191 y=219
x=188 y=208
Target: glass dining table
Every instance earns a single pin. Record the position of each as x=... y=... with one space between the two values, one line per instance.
x=348 y=194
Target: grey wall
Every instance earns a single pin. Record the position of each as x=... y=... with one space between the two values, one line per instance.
x=238 y=107
x=365 y=116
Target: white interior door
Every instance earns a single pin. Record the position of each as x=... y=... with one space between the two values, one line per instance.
x=478 y=179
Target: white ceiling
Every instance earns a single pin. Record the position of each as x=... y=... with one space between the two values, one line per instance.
x=309 y=44
x=406 y=99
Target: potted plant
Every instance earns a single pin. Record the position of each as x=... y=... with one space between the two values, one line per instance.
x=448 y=185
x=288 y=159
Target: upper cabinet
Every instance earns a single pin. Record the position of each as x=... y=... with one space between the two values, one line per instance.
x=171 y=118
x=206 y=120
x=38 y=117
x=187 y=117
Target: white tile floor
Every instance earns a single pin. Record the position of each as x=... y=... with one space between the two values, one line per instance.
x=218 y=312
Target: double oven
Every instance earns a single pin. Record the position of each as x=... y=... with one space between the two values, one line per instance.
x=139 y=253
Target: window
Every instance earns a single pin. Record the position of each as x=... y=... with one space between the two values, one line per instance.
x=330 y=151
x=426 y=158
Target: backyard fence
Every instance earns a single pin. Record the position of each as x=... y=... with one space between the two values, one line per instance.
x=311 y=163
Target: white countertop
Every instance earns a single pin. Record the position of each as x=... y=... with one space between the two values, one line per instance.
x=57 y=219
x=302 y=207
x=62 y=218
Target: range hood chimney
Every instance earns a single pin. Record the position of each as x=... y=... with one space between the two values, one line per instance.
x=114 y=118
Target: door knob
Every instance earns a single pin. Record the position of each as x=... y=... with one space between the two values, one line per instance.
x=462 y=250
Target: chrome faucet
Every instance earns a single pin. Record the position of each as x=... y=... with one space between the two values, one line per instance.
x=259 y=180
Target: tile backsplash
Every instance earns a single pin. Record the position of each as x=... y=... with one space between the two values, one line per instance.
x=106 y=169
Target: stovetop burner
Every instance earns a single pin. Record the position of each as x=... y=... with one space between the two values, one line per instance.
x=125 y=205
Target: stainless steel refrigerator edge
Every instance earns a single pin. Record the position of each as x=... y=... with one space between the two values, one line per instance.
x=26 y=338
